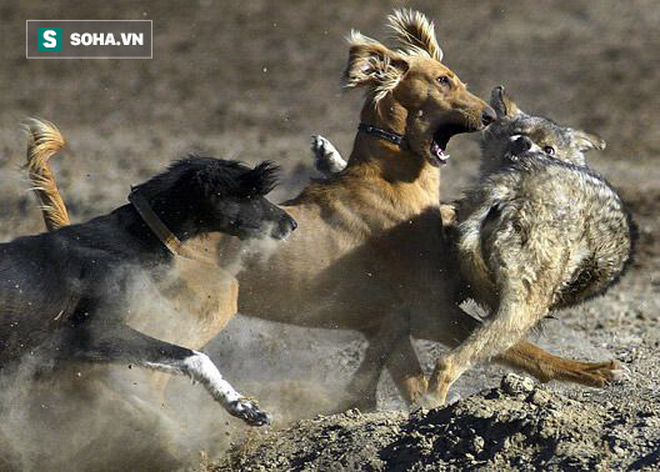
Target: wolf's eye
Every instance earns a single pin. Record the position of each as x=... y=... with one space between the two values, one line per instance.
x=549 y=150
x=444 y=80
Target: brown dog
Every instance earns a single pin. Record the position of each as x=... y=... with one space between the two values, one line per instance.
x=368 y=254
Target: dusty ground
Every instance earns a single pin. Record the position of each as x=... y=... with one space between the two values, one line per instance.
x=254 y=79
x=516 y=426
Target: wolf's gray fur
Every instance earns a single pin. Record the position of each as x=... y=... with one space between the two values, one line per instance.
x=539 y=231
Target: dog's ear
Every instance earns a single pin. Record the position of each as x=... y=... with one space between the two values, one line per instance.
x=415 y=33
x=588 y=141
x=503 y=104
x=261 y=180
x=373 y=65
x=211 y=177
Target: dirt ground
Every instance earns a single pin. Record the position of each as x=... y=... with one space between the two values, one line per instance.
x=253 y=80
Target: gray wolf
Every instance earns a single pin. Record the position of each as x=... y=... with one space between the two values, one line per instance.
x=61 y=291
x=540 y=231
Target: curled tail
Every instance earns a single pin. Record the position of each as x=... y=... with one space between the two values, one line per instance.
x=44 y=141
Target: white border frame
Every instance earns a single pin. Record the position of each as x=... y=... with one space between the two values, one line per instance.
x=151 y=27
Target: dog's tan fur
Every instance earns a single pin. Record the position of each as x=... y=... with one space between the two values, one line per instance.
x=369 y=253
x=45 y=140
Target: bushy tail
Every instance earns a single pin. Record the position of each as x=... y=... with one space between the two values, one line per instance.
x=44 y=141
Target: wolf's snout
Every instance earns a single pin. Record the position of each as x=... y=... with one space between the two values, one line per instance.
x=488 y=116
x=520 y=144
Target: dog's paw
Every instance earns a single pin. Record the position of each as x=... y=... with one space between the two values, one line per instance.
x=248 y=411
x=322 y=147
x=599 y=374
x=605 y=373
x=326 y=157
x=620 y=372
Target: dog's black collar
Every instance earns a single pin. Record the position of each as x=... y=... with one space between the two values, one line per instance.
x=173 y=244
x=381 y=133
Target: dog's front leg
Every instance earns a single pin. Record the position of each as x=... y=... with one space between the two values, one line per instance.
x=121 y=344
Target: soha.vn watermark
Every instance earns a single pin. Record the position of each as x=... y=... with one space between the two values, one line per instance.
x=89 y=39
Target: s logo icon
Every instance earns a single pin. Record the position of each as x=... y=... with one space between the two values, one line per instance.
x=49 y=39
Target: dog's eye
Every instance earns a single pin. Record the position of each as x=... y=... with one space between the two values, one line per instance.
x=444 y=80
x=549 y=150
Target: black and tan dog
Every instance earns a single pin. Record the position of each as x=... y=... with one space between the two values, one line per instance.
x=62 y=292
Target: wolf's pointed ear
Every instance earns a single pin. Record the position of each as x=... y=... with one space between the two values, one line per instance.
x=588 y=141
x=503 y=104
x=372 y=64
x=415 y=33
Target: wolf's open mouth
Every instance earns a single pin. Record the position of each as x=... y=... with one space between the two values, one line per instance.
x=440 y=140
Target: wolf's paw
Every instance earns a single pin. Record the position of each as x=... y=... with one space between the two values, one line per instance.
x=326 y=157
x=248 y=411
x=428 y=401
x=321 y=147
x=443 y=376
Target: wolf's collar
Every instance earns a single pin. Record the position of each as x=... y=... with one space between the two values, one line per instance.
x=162 y=232
x=381 y=133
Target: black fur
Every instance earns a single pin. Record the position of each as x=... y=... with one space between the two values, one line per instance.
x=63 y=290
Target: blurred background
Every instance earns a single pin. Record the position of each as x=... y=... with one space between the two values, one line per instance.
x=253 y=79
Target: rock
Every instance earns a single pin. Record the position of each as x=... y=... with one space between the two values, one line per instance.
x=539 y=397
x=516 y=385
x=478 y=444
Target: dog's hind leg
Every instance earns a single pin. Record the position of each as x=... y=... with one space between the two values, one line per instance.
x=546 y=367
x=406 y=371
x=455 y=325
x=124 y=344
x=362 y=389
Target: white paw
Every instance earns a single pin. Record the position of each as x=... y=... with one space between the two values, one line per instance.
x=327 y=159
x=248 y=411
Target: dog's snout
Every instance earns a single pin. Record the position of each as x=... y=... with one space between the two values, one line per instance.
x=293 y=224
x=488 y=116
x=286 y=225
x=520 y=144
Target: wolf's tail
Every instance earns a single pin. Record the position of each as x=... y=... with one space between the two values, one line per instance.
x=44 y=141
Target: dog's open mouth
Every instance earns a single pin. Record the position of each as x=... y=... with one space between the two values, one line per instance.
x=440 y=141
